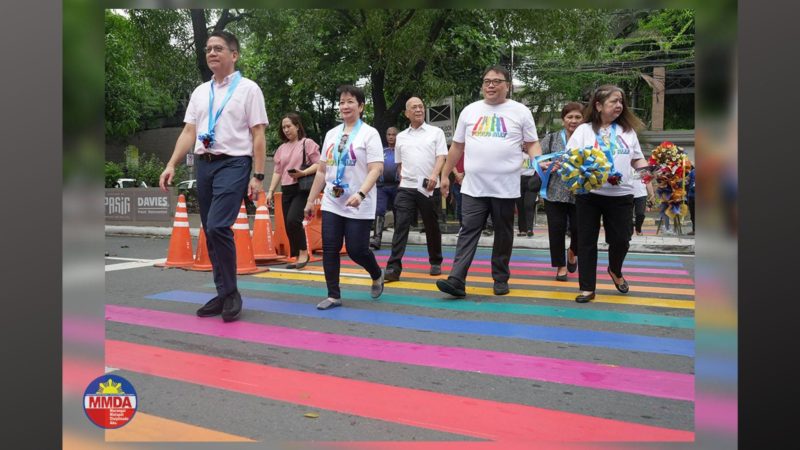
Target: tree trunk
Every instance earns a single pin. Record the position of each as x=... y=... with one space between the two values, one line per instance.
x=200 y=39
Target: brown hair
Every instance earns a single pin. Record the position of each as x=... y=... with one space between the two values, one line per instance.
x=571 y=106
x=626 y=119
x=295 y=119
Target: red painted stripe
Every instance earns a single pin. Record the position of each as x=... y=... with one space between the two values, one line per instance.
x=449 y=413
x=549 y=274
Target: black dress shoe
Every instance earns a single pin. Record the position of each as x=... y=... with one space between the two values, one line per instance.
x=390 y=276
x=584 y=298
x=436 y=269
x=451 y=287
x=233 y=307
x=622 y=287
x=500 y=288
x=212 y=308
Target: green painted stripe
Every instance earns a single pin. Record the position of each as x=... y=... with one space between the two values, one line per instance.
x=482 y=307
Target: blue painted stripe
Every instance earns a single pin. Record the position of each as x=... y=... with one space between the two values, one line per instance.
x=421 y=301
x=543 y=259
x=564 y=335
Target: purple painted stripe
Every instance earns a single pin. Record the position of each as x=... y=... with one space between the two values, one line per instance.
x=597 y=376
x=600 y=269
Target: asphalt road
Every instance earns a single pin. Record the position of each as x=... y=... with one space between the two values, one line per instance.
x=415 y=365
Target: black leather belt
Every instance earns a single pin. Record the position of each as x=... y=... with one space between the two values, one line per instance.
x=212 y=157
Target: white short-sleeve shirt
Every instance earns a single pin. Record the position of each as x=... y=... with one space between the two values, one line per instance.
x=364 y=148
x=493 y=137
x=244 y=110
x=626 y=150
x=417 y=150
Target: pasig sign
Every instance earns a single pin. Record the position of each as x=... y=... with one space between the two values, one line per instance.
x=135 y=204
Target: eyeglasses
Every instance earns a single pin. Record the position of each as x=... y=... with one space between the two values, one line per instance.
x=215 y=49
x=494 y=82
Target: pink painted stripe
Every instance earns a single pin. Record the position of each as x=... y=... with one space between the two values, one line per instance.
x=596 y=376
x=600 y=269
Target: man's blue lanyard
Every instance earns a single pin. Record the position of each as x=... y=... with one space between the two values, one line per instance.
x=208 y=137
x=342 y=152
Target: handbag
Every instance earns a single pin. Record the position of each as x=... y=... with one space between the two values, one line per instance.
x=304 y=183
x=535 y=183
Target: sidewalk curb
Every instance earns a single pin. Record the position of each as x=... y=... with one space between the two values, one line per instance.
x=643 y=244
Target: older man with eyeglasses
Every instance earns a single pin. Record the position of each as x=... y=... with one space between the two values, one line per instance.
x=491 y=135
x=225 y=123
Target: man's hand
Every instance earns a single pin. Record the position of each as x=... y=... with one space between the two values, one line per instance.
x=166 y=177
x=431 y=183
x=308 y=210
x=254 y=188
x=459 y=177
x=444 y=186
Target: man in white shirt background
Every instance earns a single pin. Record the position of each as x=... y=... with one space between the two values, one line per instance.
x=420 y=153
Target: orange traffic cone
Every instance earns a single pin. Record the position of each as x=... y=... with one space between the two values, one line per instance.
x=279 y=238
x=263 y=249
x=180 y=243
x=201 y=261
x=245 y=261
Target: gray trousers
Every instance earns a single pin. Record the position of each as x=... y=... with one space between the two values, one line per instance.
x=474 y=211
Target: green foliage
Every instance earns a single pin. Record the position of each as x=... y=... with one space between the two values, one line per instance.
x=113 y=171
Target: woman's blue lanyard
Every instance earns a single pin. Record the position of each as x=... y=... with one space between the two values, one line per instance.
x=545 y=176
x=208 y=138
x=608 y=150
x=343 y=151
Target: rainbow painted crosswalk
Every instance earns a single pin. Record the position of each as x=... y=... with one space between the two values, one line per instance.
x=415 y=365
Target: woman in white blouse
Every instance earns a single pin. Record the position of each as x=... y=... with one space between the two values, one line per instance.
x=610 y=127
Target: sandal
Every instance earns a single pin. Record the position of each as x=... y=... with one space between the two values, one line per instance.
x=622 y=287
x=329 y=303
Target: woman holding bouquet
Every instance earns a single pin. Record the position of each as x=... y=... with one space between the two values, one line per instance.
x=610 y=127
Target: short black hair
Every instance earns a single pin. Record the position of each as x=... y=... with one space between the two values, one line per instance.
x=498 y=69
x=228 y=37
x=356 y=92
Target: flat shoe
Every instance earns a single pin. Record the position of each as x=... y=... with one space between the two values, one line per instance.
x=561 y=277
x=622 y=287
x=377 y=286
x=584 y=298
x=329 y=303
x=572 y=267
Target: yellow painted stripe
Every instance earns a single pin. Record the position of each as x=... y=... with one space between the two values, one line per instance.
x=529 y=282
x=149 y=428
x=515 y=293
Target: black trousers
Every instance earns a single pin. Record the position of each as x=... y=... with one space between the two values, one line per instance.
x=690 y=201
x=561 y=215
x=639 y=205
x=474 y=211
x=221 y=187
x=355 y=233
x=293 y=201
x=526 y=205
x=407 y=201
x=616 y=214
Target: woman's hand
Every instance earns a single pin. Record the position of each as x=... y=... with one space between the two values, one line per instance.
x=296 y=174
x=354 y=201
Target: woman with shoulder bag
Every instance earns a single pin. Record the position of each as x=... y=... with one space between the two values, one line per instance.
x=295 y=166
x=559 y=203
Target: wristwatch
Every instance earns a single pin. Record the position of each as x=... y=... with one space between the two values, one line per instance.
x=362 y=195
x=258 y=176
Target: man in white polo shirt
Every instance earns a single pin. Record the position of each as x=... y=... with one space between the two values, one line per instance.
x=490 y=134
x=419 y=152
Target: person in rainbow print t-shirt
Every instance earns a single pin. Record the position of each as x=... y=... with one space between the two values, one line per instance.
x=489 y=134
